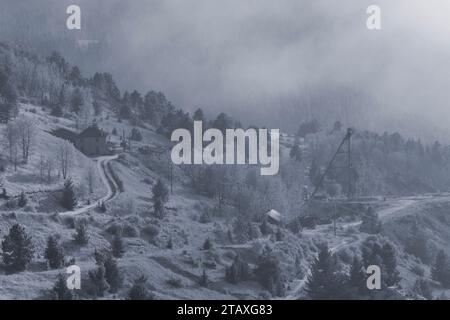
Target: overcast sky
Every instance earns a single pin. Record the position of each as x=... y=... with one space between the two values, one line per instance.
x=251 y=56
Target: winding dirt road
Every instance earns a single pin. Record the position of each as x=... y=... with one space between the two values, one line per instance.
x=108 y=181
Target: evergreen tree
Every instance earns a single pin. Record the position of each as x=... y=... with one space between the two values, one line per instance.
x=136 y=135
x=98 y=109
x=440 y=270
x=384 y=256
x=160 y=198
x=238 y=271
x=314 y=172
x=117 y=246
x=22 y=202
x=68 y=199
x=422 y=288
x=17 y=249
x=296 y=153
x=279 y=235
x=139 y=291
x=54 y=253
x=170 y=243
x=112 y=274
x=325 y=282
x=357 y=278
x=370 y=222
x=75 y=76
x=268 y=273
x=160 y=191
x=158 y=209
x=418 y=243
x=57 y=111
x=98 y=281
x=204 y=280
x=207 y=245
x=62 y=98
x=198 y=115
x=390 y=264
x=60 y=290
x=81 y=236
x=76 y=101
x=265 y=230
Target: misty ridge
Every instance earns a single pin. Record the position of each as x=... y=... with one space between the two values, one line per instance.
x=268 y=63
x=349 y=124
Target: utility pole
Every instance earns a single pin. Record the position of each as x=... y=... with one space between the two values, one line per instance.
x=349 y=163
x=171 y=177
x=170 y=163
x=334 y=219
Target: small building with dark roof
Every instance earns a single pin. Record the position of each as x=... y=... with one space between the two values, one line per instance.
x=92 y=141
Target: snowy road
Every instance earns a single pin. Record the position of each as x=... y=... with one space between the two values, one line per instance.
x=397 y=207
x=108 y=181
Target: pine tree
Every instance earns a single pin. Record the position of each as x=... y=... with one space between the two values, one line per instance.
x=204 y=280
x=54 y=253
x=81 y=237
x=198 y=115
x=112 y=274
x=265 y=230
x=170 y=243
x=98 y=109
x=318 y=282
x=268 y=273
x=357 y=277
x=160 y=198
x=98 y=281
x=60 y=290
x=390 y=264
x=22 y=202
x=238 y=271
x=17 y=249
x=68 y=199
x=325 y=281
x=418 y=243
x=76 y=101
x=422 y=288
x=117 y=246
x=57 y=111
x=207 y=245
x=279 y=235
x=158 y=209
x=296 y=153
x=62 y=98
x=440 y=270
x=138 y=291
x=370 y=222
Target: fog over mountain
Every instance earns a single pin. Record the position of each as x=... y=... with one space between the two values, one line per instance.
x=272 y=62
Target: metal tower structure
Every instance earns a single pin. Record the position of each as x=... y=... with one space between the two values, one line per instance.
x=345 y=149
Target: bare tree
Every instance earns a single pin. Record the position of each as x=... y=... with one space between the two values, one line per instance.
x=26 y=130
x=12 y=141
x=65 y=157
x=41 y=167
x=49 y=167
x=11 y=137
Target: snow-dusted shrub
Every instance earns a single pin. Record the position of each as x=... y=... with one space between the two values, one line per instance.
x=129 y=231
x=114 y=228
x=151 y=231
x=174 y=282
